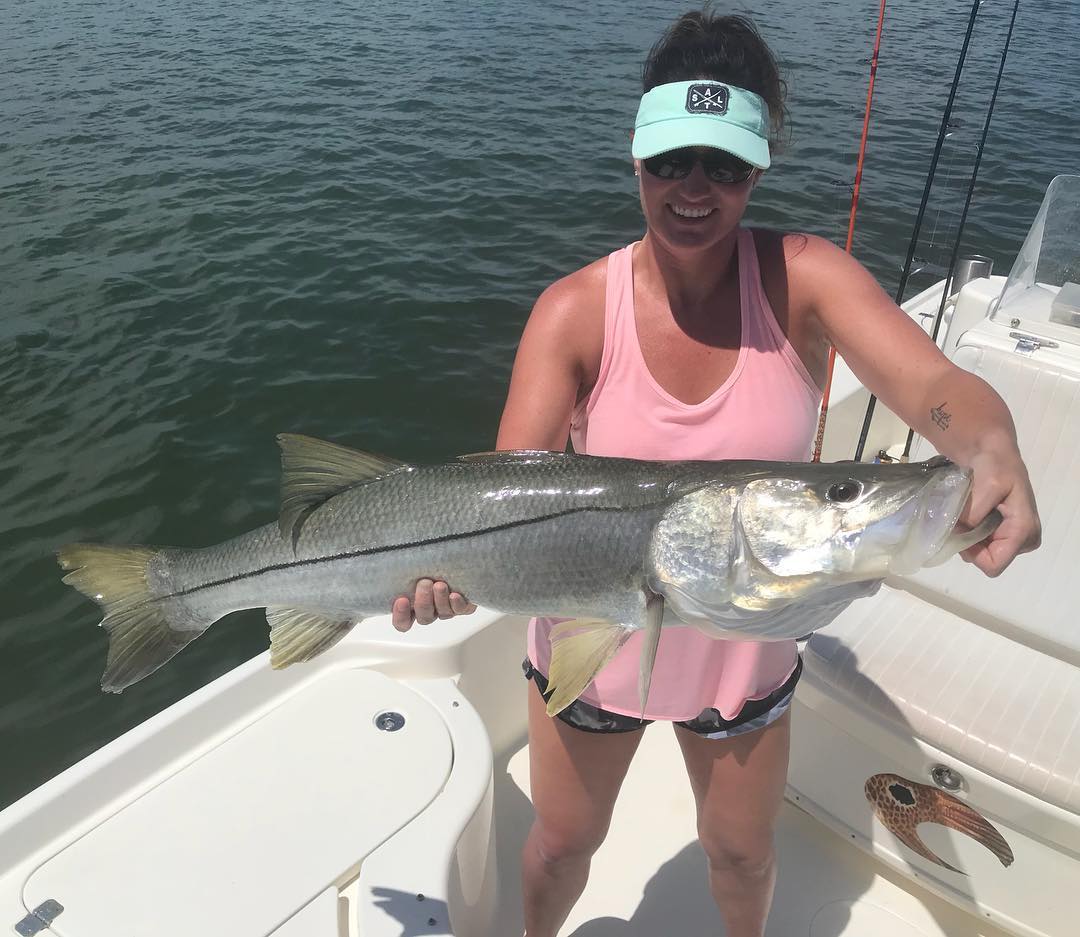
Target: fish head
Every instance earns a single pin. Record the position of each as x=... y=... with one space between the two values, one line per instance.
x=771 y=551
x=822 y=524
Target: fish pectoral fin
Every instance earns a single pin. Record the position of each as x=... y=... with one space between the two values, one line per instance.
x=313 y=471
x=580 y=649
x=299 y=634
x=654 y=618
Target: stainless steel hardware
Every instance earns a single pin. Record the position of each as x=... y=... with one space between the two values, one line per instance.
x=389 y=721
x=39 y=919
x=1029 y=344
x=945 y=778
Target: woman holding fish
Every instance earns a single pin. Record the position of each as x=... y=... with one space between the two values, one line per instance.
x=708 y=340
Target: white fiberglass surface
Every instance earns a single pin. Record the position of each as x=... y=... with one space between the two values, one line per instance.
x=241 y=839
x=649 y=877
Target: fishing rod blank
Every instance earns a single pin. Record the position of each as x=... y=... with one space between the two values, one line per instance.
x=819 y=437
x=932 y=172
x=967 y=201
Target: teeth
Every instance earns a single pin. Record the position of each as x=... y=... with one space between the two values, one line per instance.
x=692 y=212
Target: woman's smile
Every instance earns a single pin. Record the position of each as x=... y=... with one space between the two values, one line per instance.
x=690 y=213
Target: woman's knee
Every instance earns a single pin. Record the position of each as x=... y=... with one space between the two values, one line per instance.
x=749 y=854
x=559 y=843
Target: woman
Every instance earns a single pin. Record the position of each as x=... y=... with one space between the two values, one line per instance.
x=706 y=340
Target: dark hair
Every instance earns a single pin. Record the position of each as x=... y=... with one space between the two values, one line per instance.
x=704 y=44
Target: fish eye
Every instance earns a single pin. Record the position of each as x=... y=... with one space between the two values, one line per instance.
x=844 y=492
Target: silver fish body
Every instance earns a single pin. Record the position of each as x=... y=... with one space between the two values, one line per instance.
x=752 y=550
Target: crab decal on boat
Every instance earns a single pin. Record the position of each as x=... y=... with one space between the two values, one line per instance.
x=901 y=805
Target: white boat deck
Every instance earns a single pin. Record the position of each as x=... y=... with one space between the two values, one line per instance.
x=115 y=870
x=649 y=877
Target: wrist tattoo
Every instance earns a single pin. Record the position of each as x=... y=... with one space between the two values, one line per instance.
x=941 y=416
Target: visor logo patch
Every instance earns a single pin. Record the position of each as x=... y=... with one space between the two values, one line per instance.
x=707 y=99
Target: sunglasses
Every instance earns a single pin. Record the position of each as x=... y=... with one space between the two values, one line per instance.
x=718 y=165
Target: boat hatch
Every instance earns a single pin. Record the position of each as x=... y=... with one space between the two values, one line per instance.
x=240 y=839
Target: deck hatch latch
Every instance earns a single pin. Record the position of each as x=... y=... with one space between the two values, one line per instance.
x=40 y=918
x=1029 y=344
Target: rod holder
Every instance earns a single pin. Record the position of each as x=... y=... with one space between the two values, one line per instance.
x=971 y=267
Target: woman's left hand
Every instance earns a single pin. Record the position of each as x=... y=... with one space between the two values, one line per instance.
x=1001 y=481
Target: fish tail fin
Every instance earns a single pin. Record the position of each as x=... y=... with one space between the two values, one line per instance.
x=580 y=649
x=654 y=619
x=145 y=628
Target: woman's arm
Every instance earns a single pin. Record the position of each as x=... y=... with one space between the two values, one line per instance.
x=959 y=413
x=564 y=334
x=549 y=371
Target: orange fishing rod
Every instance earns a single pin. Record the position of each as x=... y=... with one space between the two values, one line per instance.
x=820 y=437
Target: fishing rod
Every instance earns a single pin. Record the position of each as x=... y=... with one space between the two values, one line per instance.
x=819 y=439
x=905 y=274
x=967 y=200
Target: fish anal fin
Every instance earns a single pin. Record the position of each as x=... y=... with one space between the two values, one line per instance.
x=299 y=634
x=313 y=471
x=580 y=649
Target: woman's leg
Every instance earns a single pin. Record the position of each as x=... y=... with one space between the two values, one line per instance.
x=575 y=777
x=739 y=786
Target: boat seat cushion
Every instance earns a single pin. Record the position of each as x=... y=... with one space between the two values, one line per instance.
x=999 y=706
x=1035 y=598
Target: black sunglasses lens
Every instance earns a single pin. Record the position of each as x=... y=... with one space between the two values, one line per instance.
x=723 y=167
x=675 y=164
x=678 y=164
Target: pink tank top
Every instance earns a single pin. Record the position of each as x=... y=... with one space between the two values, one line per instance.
x=766 y=409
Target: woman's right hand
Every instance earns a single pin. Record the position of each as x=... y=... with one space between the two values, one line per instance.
x=433 y=599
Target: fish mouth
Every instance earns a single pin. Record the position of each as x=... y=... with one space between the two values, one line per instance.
x=936 y=514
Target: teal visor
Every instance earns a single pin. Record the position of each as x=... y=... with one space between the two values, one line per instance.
x=703 y=113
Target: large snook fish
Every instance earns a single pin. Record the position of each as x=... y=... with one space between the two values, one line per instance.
x=751 y=550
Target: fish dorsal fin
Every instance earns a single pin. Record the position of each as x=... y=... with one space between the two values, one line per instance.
x=514 y=455
x=313 y=471
x=298 y=634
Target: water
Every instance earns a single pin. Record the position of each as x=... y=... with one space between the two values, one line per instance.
x=224 y=222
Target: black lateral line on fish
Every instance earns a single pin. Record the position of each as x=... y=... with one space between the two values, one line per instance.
x=352 y=554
